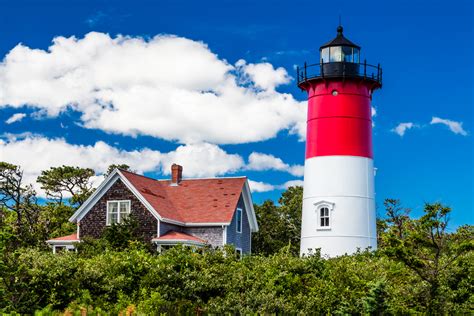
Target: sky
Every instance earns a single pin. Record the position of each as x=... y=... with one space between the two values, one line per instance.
x=210 y=85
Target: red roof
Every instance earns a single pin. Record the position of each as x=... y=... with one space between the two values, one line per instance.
x=192 y=201
x=68 y=237
x=172 y=235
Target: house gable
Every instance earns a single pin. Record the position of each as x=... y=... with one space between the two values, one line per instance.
x=102 y=189
x=93 y=223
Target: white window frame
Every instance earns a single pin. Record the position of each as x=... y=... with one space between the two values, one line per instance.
x=319 y=207
x=119 y=220
x=239 y=251
x=238 y=227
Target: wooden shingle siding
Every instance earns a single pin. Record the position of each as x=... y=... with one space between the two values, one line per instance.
x=166 y=227
x=94 y=222
x=212 y=234
x=240 y=240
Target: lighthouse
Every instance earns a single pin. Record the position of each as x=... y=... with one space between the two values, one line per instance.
x=338 y=194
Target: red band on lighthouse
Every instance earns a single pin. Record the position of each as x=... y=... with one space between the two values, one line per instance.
x=339 y=119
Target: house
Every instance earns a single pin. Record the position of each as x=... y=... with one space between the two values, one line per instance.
x=194 y=212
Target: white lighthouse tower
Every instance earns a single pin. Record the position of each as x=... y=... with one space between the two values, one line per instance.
x=338 y=196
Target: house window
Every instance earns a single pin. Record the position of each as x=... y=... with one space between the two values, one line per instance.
x=238 y=252
x=117 y=211
x=239 y=220
x=324 y=217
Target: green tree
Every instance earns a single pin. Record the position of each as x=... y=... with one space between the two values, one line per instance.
x=279 y=225
x=112 y=167
x=67 y=180
x=425 y=247
x=19 y=198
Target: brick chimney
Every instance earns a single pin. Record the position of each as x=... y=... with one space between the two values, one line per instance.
x=176 y=174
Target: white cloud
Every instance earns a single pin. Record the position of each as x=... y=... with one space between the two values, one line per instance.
x=176 y=88
x=256 y=186
x=291 y=183
x=17 y=117
x=373 y=111
x=261 y=162
x=264 y=75
x=37 y=153
x=202 y=160
x=455 y=127
x=401 y=128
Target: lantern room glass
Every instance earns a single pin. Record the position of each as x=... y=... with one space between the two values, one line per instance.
x=335 y=54
x=325 y=55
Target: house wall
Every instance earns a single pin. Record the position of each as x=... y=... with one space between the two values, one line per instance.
x=94 y=222
x=240 y=240
x=212 y=234
x=166 y=227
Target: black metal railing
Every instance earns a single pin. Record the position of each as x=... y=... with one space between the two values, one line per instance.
x=339 y=70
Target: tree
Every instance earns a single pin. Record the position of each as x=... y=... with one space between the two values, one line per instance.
x=112 y=167
x=279 y=225
x=17 y=197
x=67 y=180
x=425 y=246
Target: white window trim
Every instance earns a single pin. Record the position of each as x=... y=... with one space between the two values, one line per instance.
x=319 y=206
x=107 y=222
x=239 y=250
x=238 y=228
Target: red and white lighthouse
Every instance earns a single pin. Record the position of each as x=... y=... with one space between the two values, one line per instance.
x=338 y=195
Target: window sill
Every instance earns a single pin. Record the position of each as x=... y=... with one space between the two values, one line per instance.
x=323 y=228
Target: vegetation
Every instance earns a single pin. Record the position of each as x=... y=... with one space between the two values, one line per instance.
x=419 y=268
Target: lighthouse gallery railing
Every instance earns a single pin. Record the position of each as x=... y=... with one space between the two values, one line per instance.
x=347 y=70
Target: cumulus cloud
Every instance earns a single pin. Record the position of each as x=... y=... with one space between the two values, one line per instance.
x=373 y=112
x=455 y=127
x=202 y=160
x=401 y=128
x=260 y=162
x=176 y=88
x=17 y=117
x=36 y=153
x=264 y=75
x=256 y=186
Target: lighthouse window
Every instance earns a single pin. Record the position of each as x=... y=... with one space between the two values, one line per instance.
x=356 y=55
x=325 y=55
x=347 y=52
x=335 y=54
x=324 y=217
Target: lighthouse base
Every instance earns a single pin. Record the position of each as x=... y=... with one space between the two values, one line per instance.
x=338 y=206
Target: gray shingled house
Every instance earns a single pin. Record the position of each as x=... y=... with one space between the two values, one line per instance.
x=195 y=212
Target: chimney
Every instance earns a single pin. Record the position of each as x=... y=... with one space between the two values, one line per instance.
x=176 y=174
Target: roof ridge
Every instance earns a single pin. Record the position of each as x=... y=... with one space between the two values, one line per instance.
x=137 y=174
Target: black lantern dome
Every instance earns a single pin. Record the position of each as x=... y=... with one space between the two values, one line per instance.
x=340 y=49
x=339 y=58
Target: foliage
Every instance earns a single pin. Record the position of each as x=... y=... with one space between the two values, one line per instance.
x=420 y=267
x=74 y=181
x=279 y=225
x=425 y=247
x=191 y=281
x=112 y=167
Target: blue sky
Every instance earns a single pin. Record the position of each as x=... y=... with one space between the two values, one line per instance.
x=425 y=48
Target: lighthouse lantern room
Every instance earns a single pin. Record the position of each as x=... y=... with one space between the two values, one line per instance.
x=338 y=196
